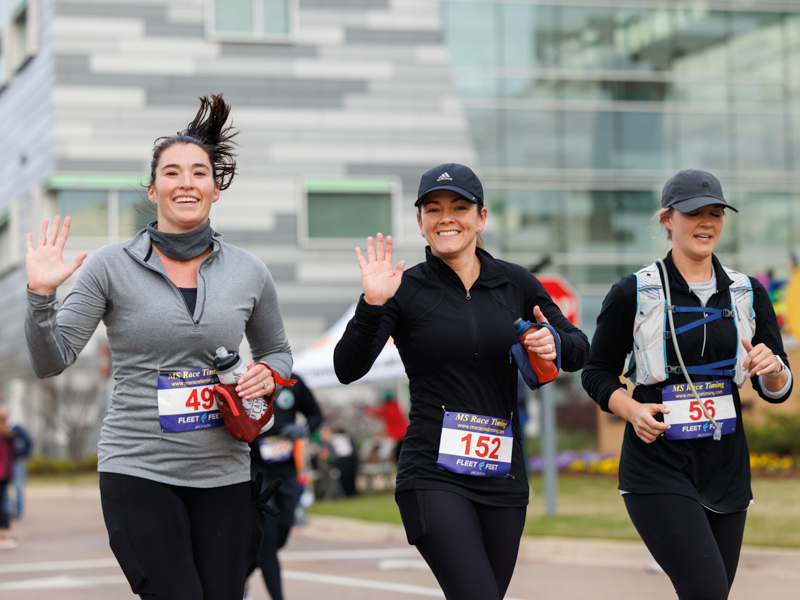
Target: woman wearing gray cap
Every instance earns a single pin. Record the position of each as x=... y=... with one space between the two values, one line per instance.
x=461 y=481
x=695 y=331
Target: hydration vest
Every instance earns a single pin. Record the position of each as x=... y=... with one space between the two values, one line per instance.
x=648 y=363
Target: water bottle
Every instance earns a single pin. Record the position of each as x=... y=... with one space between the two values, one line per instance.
x=546 y=370
x=229 y=365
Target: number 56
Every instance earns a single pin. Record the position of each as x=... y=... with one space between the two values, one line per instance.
x=696 y=413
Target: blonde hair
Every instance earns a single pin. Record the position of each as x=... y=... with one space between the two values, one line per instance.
x=658 y=220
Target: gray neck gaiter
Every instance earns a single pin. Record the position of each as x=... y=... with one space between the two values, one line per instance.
x=182 y=246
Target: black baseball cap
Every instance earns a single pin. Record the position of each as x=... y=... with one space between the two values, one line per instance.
x=692 y=189
x=454 y=177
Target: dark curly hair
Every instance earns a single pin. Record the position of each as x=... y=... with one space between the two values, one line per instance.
x=208 y=131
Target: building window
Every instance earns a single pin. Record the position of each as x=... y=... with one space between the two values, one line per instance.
x=20 y=39
x=10 y=250
x=249 y=20
x=338 y=209
x=88 y=210
x=100 y=212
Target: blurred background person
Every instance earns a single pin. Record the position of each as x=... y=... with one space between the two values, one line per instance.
x=275 y=454
x=23 y=448
x=7 y=539
x=395 y=422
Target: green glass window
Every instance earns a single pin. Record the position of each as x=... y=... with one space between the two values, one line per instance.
x=88 y=210
x=251 y=19
x=348 y=208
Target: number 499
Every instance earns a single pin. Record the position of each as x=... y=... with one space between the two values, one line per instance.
x=206 y=395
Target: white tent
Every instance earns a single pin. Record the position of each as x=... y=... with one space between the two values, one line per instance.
x=315 y=364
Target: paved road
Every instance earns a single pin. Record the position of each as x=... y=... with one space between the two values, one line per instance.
x=63 y=555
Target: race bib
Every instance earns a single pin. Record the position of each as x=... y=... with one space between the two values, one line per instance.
x=475 y=445
x=275 y=449
x=686 y=418
x=186 y=400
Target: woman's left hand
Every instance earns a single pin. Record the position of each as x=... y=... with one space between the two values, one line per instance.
x=541 y=341
x=257 y=382
x=760 y=360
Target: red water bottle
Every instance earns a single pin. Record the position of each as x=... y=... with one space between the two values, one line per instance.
x=546 y=370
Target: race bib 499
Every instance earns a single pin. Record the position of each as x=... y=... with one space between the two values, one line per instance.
x=186 y=400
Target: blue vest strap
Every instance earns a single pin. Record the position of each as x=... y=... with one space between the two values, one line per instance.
x=716 y=369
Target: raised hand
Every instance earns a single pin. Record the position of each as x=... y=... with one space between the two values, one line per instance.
x=378 y=279
x=45 y=264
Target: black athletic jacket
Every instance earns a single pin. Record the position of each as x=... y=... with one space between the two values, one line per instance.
x=455 y=347
x=715 y=473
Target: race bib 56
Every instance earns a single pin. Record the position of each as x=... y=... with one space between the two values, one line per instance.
x=686 y=418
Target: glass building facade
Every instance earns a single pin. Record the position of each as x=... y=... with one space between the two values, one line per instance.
x=580 y=112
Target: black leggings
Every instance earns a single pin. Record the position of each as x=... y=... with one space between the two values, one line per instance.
x=4 y=517
x=470 y=547
x=181 y=543
x=697 y=548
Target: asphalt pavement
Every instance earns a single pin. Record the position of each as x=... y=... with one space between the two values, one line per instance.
x=63 y=554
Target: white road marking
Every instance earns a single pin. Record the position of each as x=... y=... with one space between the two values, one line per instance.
x=366 y=554
x=60 y=565
x=63 y=582
x=368 y=584
x=399 y=564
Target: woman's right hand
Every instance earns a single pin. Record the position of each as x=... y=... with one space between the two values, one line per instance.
x=45 y=264
x=378 y=280
x=641 y=416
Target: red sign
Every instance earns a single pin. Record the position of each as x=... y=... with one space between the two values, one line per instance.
x=564 y=295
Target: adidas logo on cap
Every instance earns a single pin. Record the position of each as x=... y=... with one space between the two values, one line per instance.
x=444 y=177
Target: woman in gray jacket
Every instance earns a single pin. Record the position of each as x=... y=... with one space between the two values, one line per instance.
x=175 y=485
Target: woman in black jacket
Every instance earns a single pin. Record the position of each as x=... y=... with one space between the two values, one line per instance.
x=684 y=471
x=461 y=482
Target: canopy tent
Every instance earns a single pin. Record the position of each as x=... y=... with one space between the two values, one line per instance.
x=315 y=363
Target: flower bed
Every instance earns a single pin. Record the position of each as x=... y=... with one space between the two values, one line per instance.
x=597 y=463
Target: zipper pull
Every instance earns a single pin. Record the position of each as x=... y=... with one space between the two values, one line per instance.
x=468 y=296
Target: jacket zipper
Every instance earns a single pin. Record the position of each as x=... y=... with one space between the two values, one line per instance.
x=147 y=265
x=473 y=325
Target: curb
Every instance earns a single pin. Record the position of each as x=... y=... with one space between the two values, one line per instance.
x=611 y=553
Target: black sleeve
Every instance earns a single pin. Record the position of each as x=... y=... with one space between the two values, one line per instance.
x=612 y=342
x=574 y=343
x=363 y=339
x=307 y=404
x=767 y=333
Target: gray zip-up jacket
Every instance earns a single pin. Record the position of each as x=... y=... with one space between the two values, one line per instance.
x=149 y=330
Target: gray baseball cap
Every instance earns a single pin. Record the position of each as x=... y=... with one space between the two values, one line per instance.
x=692 y=189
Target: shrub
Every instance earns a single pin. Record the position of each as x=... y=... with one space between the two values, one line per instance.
x=779 y=434
x=46 y=465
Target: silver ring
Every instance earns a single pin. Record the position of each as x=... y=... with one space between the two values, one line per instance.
x=551 y=348
x=264 y=383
